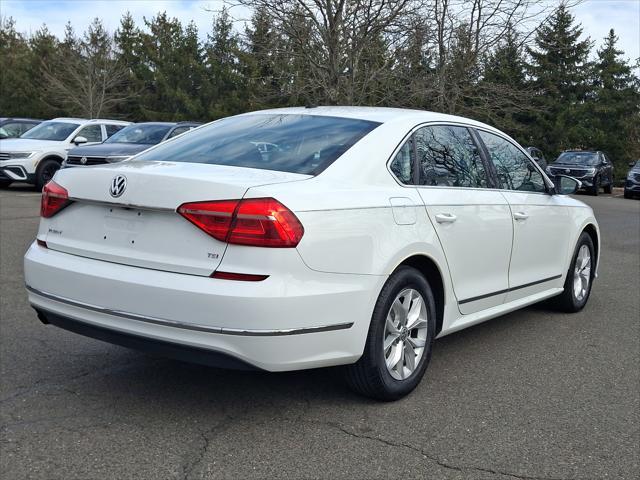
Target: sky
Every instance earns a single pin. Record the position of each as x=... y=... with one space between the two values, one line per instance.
x=596 y=16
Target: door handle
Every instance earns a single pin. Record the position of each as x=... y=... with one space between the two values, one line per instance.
x=520 y=216
x=446 y=218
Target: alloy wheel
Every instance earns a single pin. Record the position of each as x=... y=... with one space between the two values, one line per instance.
x=582 y=273
x=405 y=334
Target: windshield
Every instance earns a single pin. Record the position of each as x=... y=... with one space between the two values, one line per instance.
x=304 y=144
x=636 y=166
x=57 y=131
x=140 y=134
x=579 y=158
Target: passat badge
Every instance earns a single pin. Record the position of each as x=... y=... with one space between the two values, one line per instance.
x=118 y=186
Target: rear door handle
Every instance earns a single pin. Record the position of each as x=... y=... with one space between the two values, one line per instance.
x=520 y=216
x=446 y=218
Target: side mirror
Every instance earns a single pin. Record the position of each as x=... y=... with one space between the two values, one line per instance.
x=80 y=139
x=631 y=164
x=566 y=185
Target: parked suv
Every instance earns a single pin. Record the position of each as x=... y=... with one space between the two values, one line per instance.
x=127 y=142
x=38 y=153
x=14 y=127
x=592 y=168
x=632 y=184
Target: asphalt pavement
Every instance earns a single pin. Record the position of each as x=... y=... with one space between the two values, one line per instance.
x=531 y=395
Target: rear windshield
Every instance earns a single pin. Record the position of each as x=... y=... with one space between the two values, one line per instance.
x=287 y=143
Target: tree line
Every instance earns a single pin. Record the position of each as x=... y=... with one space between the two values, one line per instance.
x=529 y=72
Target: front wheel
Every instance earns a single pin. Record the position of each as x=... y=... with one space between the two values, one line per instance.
x=577 y=286
x=609 y=188
x=5 y=183
x=45 y=172
x=400 y=338
x=595 y=189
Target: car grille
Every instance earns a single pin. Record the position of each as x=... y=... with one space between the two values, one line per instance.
x=636 y=177
x=4 y=156
x=572 y=172
x=77 y=160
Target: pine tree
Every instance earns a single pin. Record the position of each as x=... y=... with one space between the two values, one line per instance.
x=559 y=70
x=226 y=92
x=16 y=98
x=616 y=104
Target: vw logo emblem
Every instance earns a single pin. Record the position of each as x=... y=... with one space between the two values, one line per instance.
x=567 y=171
x=118 y=186
x=83 y=160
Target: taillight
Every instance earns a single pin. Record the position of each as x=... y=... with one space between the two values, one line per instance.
x=54 y=199
x=260 y=222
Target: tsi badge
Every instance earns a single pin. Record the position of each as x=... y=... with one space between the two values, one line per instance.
x=118 y=186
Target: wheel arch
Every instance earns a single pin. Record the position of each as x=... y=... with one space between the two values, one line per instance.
x=51 y=156
x=591 y=230
x=433 y=273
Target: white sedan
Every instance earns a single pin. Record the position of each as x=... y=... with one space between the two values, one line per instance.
x=362 y=235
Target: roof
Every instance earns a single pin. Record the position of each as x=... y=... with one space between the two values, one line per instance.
x=82 y=121
x=19 y=119
x=373 y=114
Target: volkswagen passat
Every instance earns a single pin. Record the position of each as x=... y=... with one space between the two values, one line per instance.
x=358 y=237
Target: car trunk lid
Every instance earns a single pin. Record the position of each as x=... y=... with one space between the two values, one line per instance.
x=126 y=213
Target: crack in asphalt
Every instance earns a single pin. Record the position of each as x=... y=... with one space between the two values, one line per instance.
x=193 y=461
x=433 y=458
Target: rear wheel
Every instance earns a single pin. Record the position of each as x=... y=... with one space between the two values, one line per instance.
x=609 y=188
x=400 y=339
x=45 y=172
x=627 y=194
x=577 y=286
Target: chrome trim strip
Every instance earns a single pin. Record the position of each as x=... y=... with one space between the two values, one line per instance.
x=511 y=289
x=120 y=205
x=186 y=326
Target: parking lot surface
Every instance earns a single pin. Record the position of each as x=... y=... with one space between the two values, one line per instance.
x=532 y=395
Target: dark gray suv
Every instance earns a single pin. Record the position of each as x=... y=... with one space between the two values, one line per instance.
x=592 y=168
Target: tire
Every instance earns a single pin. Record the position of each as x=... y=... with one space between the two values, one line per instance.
x=609 y=188
x=45 y=172
x=370 y=375
x=596 y=187
x=627 y=194
x=5 y=183
x=569 y=301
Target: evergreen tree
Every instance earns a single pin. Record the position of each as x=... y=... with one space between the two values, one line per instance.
x=226 y=84
x=128 y=43
x=559 y=69
x=616 y=104
x=16 y=98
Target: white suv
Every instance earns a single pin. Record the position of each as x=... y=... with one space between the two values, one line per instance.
x=38 y=153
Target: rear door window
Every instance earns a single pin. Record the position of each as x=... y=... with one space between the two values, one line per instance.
x=93 y=133
x=447 y=156
x=304 y=144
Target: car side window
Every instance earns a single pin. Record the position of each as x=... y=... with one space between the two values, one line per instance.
x=402 y=165
x=515 y=171
x=177 y=131
x=447 y=156
x=93 y=133
x=111 y=129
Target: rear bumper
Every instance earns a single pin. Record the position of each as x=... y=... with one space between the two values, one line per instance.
x=149 y=345
x=304 y=320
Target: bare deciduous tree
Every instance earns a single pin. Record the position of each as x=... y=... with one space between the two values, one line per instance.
x=85 y=77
